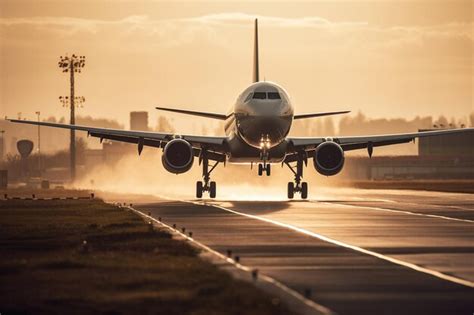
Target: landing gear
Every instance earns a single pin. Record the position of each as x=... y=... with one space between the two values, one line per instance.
x=298 y=186
x=291 y=190
x=199 y=189
x=303 y=190
x=206 y=185
x=264 y=168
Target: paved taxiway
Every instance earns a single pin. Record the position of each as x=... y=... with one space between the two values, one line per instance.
x=356 y=251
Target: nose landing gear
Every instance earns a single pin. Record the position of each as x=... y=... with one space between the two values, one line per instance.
x=264 y=167
x=298 y=186
x=264 y=147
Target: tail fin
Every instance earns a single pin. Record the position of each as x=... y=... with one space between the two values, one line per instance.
x=255 y=55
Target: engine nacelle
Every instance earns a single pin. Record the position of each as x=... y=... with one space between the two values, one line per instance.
x=328 y=158
x=178 y=156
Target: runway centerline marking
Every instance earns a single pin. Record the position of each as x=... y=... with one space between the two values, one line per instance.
x=435 y=216
x=412 y=266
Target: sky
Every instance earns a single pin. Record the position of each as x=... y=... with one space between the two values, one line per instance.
x=384 y=58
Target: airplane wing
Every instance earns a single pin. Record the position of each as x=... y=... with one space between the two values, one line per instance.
x=362 y=142
x=302 y=116
x=194 y=113
x=216 y=145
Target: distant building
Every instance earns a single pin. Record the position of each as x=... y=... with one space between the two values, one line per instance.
x=139 y=121
x=439 y=157
x=458 y=145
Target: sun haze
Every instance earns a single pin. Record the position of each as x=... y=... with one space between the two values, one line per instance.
x=386 y=59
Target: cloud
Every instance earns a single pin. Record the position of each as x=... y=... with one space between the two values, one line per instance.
x=181 y=30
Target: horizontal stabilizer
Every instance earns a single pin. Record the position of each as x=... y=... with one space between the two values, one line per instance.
x=320 y=114
x=194 y=113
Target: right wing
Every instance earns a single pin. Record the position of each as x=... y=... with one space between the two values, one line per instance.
x=194 y=113
x=309 y=144
x=216 y=145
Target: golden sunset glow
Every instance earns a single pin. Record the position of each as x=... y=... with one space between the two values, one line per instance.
x=384 y=58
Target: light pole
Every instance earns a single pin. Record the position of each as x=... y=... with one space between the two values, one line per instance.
x=3 y=144
x=38 y=113
x=72 y=65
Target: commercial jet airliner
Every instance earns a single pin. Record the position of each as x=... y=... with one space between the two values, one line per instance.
x=256 y=131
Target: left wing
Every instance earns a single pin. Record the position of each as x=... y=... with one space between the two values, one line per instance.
x=361 y=142
x=217 y=145
x=195 y=113
x=302 y=116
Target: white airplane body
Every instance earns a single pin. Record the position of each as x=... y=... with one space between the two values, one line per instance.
x=256 y=129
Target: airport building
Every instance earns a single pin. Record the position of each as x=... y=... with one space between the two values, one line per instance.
x=440 y=157
x=455 y=145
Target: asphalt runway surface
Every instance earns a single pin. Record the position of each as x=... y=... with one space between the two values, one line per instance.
x=353 y=251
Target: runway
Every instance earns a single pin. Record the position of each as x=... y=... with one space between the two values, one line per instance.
x=353 y=251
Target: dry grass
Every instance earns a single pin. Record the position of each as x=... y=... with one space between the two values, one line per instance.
x=124 y=269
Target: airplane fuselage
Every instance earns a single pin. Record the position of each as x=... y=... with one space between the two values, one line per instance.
x=259 y=123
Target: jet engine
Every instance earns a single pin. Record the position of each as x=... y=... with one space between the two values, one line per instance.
x=178 y=156
x=328 y=158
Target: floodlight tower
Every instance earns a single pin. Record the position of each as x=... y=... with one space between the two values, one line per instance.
x=2 y=149
x=38 y=113
x=72 y=65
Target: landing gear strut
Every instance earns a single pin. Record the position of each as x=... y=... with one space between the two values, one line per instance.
x=298 y=186
x=206 y=185
x=265 y=166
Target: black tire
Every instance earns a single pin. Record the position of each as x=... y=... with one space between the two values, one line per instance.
x=260 y=169
x=198 y=189
x=212 y=190
x=304 y=190
x=268 y=169
x=291 y=190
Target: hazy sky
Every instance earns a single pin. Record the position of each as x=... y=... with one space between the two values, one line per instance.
x=385 y=58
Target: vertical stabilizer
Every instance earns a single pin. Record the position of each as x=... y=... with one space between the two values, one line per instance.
x=255 y=55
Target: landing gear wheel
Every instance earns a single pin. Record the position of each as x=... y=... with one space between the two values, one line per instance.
x=260 y=169
x=304 y=190
x=291 y=190
x=212 y=190
x=268 y=169
x=198 y=189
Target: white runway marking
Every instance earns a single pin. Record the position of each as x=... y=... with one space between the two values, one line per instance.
x=412 y=266
x=396 y=211
x=417 y=204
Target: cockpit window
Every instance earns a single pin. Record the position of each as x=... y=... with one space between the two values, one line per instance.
x=248 y=98
x=273 y=96
x=259 y=95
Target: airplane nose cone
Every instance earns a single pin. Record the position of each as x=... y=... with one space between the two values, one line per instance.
x=272 y=128
x=268 y=108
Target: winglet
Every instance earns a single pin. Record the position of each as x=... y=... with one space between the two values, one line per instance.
x=256 y=73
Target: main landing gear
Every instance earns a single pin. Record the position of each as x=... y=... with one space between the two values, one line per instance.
x=297 y=186
x=206 y=185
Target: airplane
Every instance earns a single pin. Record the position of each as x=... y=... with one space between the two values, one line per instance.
x=256 y=131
